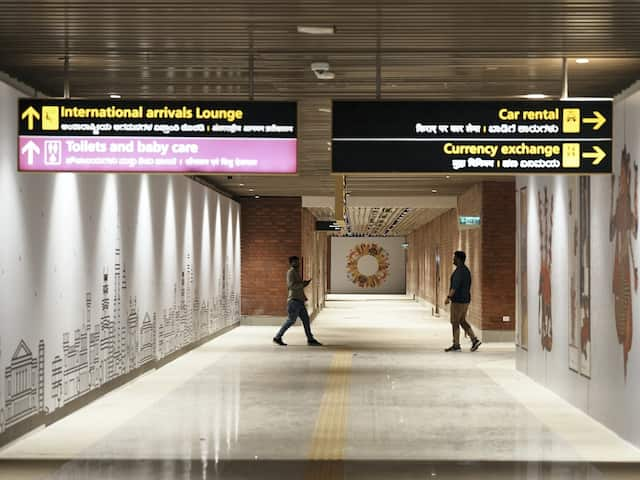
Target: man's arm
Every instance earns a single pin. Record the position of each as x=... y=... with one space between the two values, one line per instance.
x=455 y=284
x=294 y=280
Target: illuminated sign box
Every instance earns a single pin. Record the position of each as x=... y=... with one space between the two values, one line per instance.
x=468 y=222
x=157 y=137
x=510 y=138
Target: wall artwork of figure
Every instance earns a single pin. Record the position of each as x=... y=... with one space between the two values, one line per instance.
x=580 y=275
x=545 y=218
x=623 y=230
x=585 y=276
x=523 y=320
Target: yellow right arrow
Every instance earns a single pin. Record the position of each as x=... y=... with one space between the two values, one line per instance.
x=598 y=155
x=598 y=119
x=30 y=113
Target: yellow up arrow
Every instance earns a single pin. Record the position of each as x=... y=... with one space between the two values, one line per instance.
x=598 y=119
x=30 y=113
x=598 y=155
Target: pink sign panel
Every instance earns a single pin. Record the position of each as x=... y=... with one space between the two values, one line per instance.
x=40 y=153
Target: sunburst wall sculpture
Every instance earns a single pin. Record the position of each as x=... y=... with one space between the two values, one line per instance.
x=361 y=279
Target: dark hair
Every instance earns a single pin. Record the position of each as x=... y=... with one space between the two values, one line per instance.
x=291 y=259
x=460 y=255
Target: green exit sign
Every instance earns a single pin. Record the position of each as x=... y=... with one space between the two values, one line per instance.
x=469 y=221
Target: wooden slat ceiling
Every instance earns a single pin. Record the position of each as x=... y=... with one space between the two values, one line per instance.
x=445 y=49
x=374 y=221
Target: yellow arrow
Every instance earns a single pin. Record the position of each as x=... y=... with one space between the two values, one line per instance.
x=598 y=119
x=598 y=155
x=30 y=113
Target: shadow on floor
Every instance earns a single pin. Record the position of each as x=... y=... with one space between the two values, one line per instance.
x=114 y=469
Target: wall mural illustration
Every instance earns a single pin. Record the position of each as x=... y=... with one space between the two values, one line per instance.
x=580 y=275
x=113 y=340
x=545 y=219
x=623 y=230
x=523 y=321
x=370 y=252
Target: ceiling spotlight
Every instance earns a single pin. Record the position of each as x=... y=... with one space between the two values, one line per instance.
x=257 y=196
x=324 y=110
x=321 y=70
x=241 y=184
x=316 y=30
x=434 y=191
x=448 y=176
x=115 y=96
x=582 y=60
x=535 y=96
x=251 y=189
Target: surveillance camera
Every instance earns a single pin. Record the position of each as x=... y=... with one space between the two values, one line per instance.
x=320 y=68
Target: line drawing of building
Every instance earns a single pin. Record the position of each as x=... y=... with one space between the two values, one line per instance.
x=110 y=342
x=131 y=352
x=2 y=416
x=147 y=339
x=24 y=385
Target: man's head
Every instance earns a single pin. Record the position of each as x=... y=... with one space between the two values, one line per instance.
x=459 y=257
x=294 y=261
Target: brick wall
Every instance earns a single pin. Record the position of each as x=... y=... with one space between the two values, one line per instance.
x=470 y=241
x=314 y=254
x=271 y=231
x=490 y=254
x=499 y=255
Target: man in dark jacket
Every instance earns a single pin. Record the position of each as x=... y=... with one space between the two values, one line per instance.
x=460 y=297
x=295 y=304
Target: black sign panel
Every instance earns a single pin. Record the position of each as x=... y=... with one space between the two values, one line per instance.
x=327 y=226
x=572 y=137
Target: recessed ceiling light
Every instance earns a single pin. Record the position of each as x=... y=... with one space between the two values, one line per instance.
x=115 y=95
x=434 y=191
x=324 y=110
x=535 y=96
x=251 y=189
x=448 y=176
x=257 y=196
x=316 y=30
x=241 y=184
x=582 y=60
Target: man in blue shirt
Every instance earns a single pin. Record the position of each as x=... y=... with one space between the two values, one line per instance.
x=460 y=297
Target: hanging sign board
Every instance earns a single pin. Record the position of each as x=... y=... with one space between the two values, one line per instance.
x=327 y=226
x=157 y=136
x=468 y=223
x=550 y=137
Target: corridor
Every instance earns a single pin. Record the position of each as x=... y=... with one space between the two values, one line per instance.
x=380 y=400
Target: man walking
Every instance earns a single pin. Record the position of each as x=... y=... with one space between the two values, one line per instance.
x=295 y=304
x=460 y=297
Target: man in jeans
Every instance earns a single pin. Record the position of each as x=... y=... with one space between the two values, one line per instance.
x=295 y=304
x=460 y=297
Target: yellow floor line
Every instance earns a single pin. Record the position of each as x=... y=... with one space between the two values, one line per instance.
x=329 y=436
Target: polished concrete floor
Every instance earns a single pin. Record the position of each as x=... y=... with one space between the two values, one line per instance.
x=380 y=400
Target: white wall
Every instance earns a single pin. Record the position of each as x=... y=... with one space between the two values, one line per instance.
x=105 y=273
x=602 y=389
x=388 y=266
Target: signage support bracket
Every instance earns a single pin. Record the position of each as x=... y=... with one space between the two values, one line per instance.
x=66 y=76
x=565 y=79
x=251 y=65
x=378 y=55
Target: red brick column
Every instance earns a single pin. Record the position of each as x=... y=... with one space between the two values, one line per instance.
x=498 y=255
x=271 y=231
